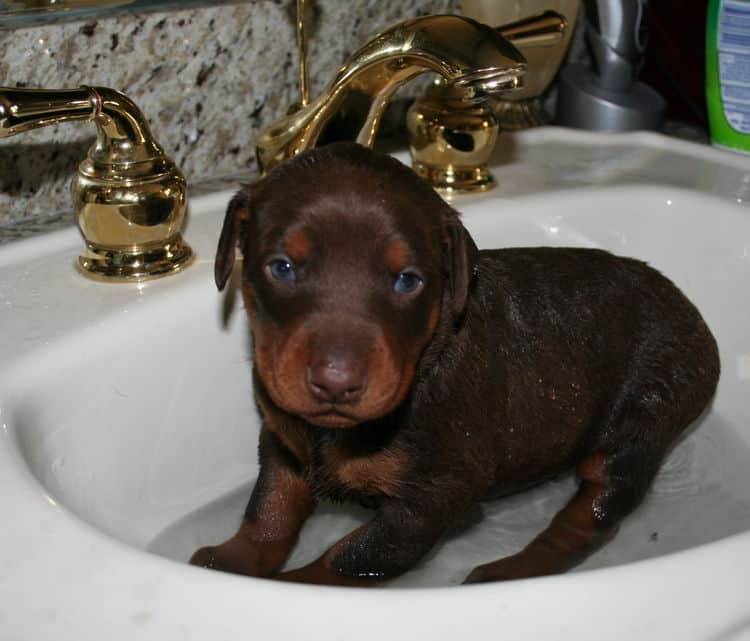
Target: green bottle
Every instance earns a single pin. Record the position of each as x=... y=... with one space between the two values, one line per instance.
x=728 y=73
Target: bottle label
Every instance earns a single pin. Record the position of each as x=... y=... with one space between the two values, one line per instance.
x=734 y=62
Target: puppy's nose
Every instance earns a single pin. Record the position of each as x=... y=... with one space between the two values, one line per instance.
x=338 y=378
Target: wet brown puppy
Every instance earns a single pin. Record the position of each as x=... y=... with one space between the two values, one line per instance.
x=397 y=366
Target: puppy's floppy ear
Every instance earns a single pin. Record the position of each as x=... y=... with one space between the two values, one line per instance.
x=461 y=260
x=238 y=213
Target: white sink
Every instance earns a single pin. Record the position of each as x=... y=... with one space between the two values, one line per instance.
x=129 y=435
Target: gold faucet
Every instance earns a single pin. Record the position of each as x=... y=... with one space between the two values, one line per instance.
x=128 y=195
x=451 y=141
x=474 y=60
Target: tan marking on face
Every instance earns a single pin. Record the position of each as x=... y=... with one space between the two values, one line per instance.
x=297 y=245
x=378 y=472
x=247 y=297
x=396 y=255
x=282 y=356
x=433 y=320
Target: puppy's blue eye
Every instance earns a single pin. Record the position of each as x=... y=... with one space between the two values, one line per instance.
x=407 y=282
x=281 y=269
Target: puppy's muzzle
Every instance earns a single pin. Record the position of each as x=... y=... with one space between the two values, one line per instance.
x=337 y=375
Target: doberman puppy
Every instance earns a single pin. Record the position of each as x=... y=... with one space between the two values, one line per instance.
x=397 y=366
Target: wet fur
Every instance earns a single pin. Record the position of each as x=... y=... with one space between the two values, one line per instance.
x=511 y=365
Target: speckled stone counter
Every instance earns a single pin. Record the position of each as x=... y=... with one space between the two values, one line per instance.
x=207 y=79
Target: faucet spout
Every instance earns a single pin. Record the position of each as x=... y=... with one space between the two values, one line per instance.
x=470 y=56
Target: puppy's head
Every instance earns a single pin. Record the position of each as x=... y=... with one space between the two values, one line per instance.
x=350 y=261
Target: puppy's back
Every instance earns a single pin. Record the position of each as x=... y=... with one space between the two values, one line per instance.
x=560 y=342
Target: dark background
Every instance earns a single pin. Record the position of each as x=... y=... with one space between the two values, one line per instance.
x=675 y=57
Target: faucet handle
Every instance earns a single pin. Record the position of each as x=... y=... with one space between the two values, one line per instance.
x=451 y=140
x=129 y=197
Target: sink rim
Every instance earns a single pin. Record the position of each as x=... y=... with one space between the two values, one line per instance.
x=169 y=586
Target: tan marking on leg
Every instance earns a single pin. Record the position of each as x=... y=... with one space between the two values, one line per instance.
x=593 y=468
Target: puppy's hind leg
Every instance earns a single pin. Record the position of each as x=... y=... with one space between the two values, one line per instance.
x=612 y=485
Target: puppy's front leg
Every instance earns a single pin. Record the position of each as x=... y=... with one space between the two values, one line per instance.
x=279 y=505
x=390 y=544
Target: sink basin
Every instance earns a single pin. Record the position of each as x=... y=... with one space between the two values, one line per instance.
x=129 y=435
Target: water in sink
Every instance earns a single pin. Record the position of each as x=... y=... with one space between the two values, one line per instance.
x=695 y=499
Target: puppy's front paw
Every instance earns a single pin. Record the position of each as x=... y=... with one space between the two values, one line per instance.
x=240 y=556
x=478 y=575
x=319 y=572
x=507 y=569
x=205 y=558
x=224 y=559
x=230 y=556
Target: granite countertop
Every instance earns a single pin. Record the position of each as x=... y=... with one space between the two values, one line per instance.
x=208 y=78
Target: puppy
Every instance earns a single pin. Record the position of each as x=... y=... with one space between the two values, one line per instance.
x=397 y=366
